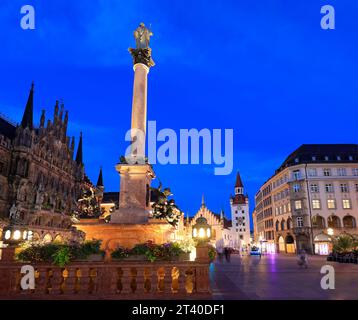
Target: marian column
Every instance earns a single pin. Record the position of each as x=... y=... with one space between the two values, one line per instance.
x=135 y=172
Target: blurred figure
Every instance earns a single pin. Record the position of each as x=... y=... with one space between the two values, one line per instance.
x=220 y=250
x=227 y=252
x=302 y=259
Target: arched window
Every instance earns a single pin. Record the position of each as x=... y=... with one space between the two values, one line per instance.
x=277 y=225
x=283 y=225
x=289 y=223
x=349 y=222
x=334 y=222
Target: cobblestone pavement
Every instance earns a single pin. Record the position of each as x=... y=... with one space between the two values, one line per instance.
x=279 y=277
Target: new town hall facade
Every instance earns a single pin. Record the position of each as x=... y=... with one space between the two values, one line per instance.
x=40 y=180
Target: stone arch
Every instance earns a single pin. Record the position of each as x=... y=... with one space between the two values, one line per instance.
x=281 y=244
x=349 y=222
x=58 y=238
x=290 y=244
x=318 y=222
x=47 y=238
x=36 y=237
x=334 y=222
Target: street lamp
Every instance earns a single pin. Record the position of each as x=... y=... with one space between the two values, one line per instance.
x=201 y=230
x=12 y=236
x=202 y=234
x=330 y=231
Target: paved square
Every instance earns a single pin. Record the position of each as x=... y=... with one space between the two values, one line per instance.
x=279 y=277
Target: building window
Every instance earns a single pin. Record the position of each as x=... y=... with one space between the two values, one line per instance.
x=314 y=158
x=300 y=222
x=356 y=187
x=329 y=188
x=326 y=158
x=331 y=204
x=350 y=158
x=314 y=188
x=296 y=175
x=312 y=172
x=342 y=172
x=346 y=204
x=339 y=158
x=344 y=187
x=296 y=188
x=316 y=204
x=289 y=207
x=298 y=204
x=327 y=172
x=355 y=172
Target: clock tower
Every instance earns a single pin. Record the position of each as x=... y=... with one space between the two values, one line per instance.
x=240 y=216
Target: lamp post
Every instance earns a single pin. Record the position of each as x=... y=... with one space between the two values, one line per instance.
x=12 y=236
x=202 y=233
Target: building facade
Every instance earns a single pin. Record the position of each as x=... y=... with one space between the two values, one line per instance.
x=240 y=216
x=40 y=180
x=220 y=226
x=314 y=196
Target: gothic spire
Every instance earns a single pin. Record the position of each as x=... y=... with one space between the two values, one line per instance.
x=79 y=158
x=27 y=118
x=202 y=201
x=100 y=179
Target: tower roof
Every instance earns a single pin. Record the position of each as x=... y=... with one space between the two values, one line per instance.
x=79 y=157
x=100 y=179
x=238 y=183
x=27 y=118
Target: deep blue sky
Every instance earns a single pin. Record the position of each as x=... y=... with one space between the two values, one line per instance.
x=264 y=68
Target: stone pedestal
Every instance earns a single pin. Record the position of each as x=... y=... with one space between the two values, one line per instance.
x=126 y=235
x=202 y=252
x=134 y=199
x=7 y=254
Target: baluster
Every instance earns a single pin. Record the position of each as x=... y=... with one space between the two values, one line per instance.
x=140 y=280
x=202 y=279
x=94 y=280
x=41 y=281
x=70 y=282
x=153 y=276
x=56 y=281
x=168 y=280
x=182 y=281
x=84 y=281
x=126 y=280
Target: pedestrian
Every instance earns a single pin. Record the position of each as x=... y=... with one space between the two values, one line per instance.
x=219 y=251
x=227 y=254
x=302 y=259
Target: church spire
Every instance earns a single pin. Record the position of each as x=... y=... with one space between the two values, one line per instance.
x=79 y=157
x=239 y=186
x=27 y=118
x=100 y=179
x=203 y=201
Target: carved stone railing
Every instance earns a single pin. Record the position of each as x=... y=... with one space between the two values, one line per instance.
x=109 y=280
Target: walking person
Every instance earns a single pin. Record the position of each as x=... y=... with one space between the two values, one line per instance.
x=302 y=259
x=220 y=251
x=227 y=254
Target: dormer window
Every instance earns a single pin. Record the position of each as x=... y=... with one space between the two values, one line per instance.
x=350 y=158
x=339 y=158
x=297 y=160
x=326 y=158
x=314 y=158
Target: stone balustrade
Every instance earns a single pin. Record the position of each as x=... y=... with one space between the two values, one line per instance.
x=110 y=280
